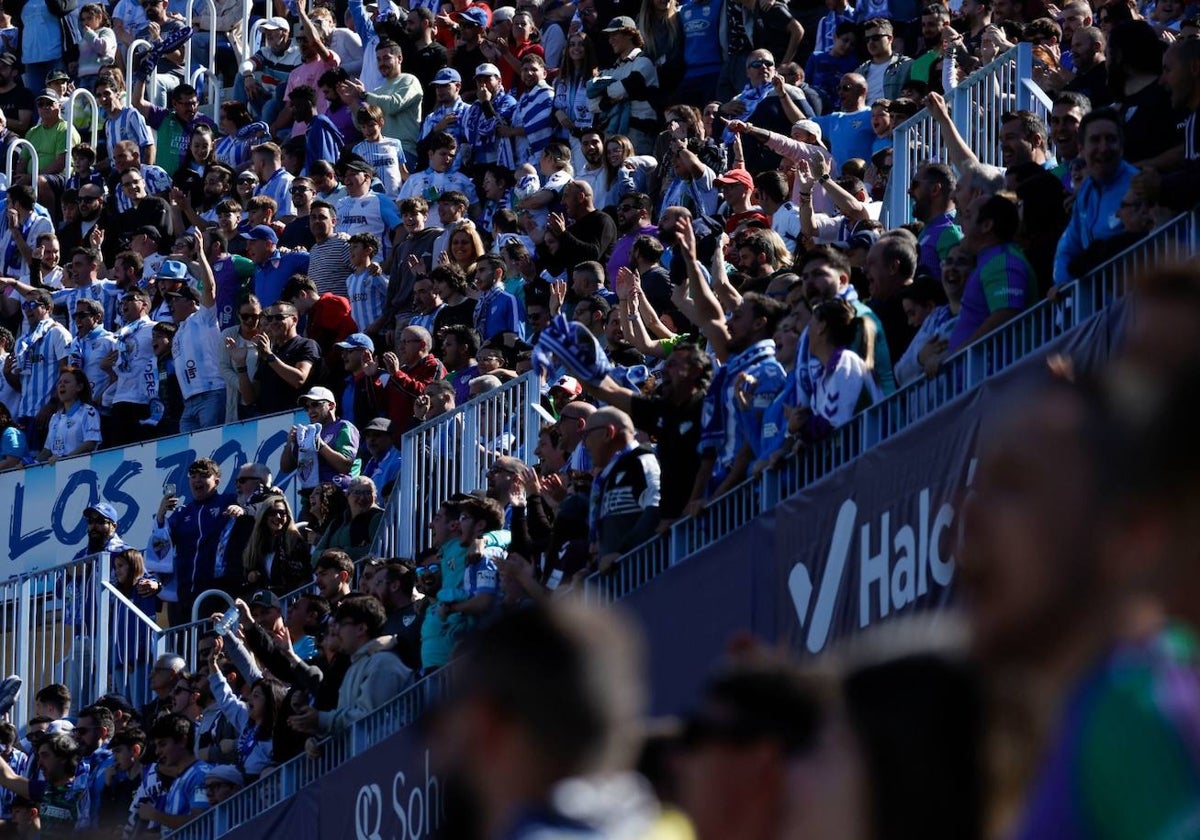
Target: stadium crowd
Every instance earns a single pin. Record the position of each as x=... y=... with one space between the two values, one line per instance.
x=669 y=210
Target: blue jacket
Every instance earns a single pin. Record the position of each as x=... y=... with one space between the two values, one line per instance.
x=1094 y=217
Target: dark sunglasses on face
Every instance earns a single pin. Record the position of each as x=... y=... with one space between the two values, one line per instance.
x=249 y=317
x=274 y=318
x=430 y=569
x=760 y=63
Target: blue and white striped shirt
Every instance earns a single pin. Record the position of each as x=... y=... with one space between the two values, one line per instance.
x=481 y=130
x=534 y=112
x=429 y=185
x=278 y=187
x=38 y=354
x=368 y=295
x=127 y=124
x=157 y=181
x=457 y=130
x=385 y=155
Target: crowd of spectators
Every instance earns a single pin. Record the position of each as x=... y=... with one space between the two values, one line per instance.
x=669 y=211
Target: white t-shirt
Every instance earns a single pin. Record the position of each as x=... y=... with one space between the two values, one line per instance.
x=875 y=73
x=137 y=367
x=70 y=430
x=195 y=352
x=87 y=352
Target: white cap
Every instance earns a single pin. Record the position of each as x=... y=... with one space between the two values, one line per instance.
x=487 y=70
x=276 y=24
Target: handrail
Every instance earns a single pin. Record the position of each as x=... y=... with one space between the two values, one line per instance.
x=962 y=371
x=436 y=460
x=95 y=122
x=282 y=782
x=207 y=593
x=247 y=11
x=212 y=89
x=129 y=605
x=19 y=143
x=129 y=56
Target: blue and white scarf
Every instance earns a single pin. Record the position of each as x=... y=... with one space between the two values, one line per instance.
x=713 y=415
x=573 y=345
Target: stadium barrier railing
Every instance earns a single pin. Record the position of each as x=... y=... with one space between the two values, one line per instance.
x=1017 y=339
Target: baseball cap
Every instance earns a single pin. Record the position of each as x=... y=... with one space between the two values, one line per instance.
x=171 y=270
x=569 y=384
x=103 y=509
x=473 y=16
x=148 y=230
x=447 y=76
x=275 y=24
x=379 y=424
x=862 y=239
x=620 y=23
x=487 y=70
x=261 y=233
x=360 y=165
x=737 y=176
x=50 y=94
x=225 y=773
x=186 y=292
x=810 y=126
x=264 y=598
x=318 y=394
x=57 y=76
x=357 y=341
x=502 y=14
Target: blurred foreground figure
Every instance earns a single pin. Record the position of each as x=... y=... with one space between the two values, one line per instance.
x=545 y=695
x=1088 y=737
x=767 y=755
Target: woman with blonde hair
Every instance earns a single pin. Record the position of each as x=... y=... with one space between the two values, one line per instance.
x=464 y=249
x=277 y=556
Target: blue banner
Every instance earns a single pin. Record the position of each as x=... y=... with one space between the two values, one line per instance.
x=45 y=525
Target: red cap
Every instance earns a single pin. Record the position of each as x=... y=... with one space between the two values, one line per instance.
x=737 y=176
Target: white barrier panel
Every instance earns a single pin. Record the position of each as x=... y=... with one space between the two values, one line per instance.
x=45 y=526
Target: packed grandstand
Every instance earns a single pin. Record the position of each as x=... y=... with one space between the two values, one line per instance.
x=494 y=303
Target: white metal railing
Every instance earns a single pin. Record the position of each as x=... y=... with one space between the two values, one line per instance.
x=136 y=641
x=975 y=107
x=967 y=369
x=49 y=619
x=13 y=148
x=451 y=454
x=94 y=115
x=129 y=58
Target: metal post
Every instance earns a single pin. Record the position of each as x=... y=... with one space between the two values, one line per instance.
x=139 y=42
x=212 y=41
x=200 y=599
x=93 y=110
x=33 y=160
x=23 y=628
x=101 y=650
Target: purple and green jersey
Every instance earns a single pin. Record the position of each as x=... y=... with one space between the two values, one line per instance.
x=1002 y=279
x=937 y=238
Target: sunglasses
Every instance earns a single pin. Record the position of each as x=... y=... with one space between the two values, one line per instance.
x=760 y=63
x=275 y=318
x=278 y=512
x=299 y=191
x=877 y=37
x=242 y=479
x=79 y=316
x=249 y=317
x=430 y=569
x=30 y=305
x=626 y=208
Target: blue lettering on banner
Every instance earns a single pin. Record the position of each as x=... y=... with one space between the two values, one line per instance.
x=18 y=542
x=46 y=526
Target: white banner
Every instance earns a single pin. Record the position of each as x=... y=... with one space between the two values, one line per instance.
x=45 y=525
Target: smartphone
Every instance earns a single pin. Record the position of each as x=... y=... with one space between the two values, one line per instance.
x=169 y=489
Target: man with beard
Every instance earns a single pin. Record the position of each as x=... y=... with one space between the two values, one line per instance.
x=423 y=56
x=595 y=170
x=298 y=232
x=76 y=233
x=932 y=192
x=633 y=220
x=460 y=343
